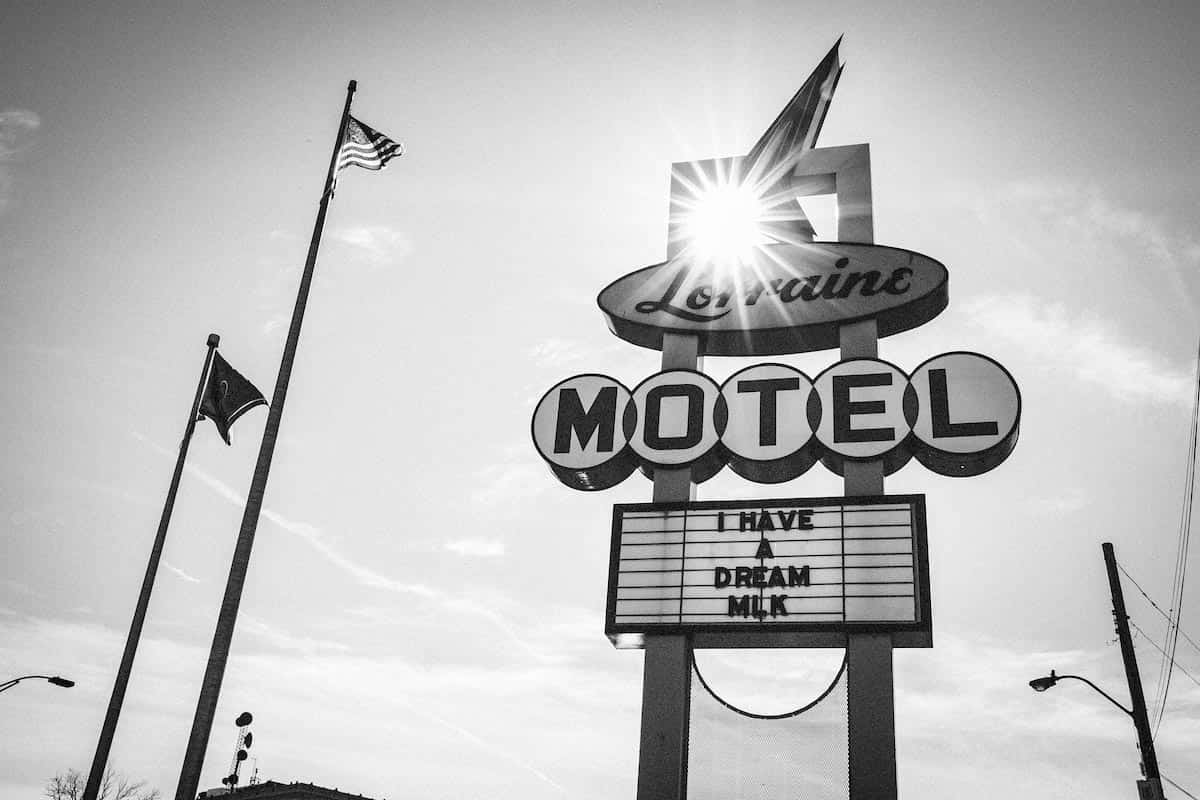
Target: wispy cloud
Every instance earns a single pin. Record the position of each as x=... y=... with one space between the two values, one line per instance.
x=309 y=533
x=276 y=280
x=1064 y=501
x=17 y=129
x=177 y=572
x=1089 y=213
x=1084 y=346
x=556 y=352
x=274 y=323
x=505 y=485
x=282 y=640
x=376 y=244
x=313 y=535
x=18 y=588
x=364 y=575
x=1096 y=226
x=482 y=548
x=483 y=744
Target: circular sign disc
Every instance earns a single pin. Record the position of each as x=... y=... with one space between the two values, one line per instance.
x=862 y=409
x=766 y=429
x=674 y=424
x=577 y=429
x=969 y=409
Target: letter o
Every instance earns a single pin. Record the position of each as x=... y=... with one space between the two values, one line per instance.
x=674 y=425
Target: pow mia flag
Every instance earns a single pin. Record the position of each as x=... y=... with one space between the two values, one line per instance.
x=227 y=396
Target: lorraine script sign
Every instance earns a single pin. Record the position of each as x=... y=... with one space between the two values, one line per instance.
x=786 y=298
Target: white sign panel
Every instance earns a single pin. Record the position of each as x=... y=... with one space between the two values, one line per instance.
x=768 y=566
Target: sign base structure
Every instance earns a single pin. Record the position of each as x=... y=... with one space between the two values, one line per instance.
x=803 y=572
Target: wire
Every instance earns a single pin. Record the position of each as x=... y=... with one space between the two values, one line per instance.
x=1185 y=532
x=1133 y=625
x=1149 y=599
x=1161 y=613
x=1177 y=786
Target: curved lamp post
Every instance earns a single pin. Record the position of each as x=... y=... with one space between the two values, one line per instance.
x=1042 y=684
x=66 y=683
x=1152 y=786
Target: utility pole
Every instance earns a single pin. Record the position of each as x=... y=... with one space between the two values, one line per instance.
x=1151 y=787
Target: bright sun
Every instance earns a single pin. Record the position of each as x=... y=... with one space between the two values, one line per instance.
x=724 y=222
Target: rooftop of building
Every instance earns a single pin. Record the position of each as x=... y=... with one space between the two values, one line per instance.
x=273 y=790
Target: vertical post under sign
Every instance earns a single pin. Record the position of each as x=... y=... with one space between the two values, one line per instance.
x=667 y=673
x=667 y=670
x=846 y=172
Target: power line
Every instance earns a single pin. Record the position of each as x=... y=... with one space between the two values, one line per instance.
x=1162 y=613
x=1177 y=786
x=1185 y=531
x=1152 y=643
x=1149 y=599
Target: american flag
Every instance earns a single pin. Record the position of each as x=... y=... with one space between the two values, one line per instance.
x=365 y=147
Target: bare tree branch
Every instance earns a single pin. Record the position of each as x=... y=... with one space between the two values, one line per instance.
x=114 y=785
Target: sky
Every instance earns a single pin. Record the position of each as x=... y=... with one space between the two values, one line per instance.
x=423 y=614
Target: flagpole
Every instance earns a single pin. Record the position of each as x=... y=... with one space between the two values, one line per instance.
x=108 y=729
x=210 y=689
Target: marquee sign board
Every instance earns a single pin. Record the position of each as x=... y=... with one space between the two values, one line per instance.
x=957 y=413
x=783 y=298
x=770 y=573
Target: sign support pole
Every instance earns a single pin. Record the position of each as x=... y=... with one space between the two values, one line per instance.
x=846 y=172
x=667 y=674
x=667 y=670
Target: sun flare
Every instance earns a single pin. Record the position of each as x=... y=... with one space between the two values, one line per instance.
x=725 y=222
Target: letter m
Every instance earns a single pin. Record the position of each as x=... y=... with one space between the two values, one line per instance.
x=601 y=417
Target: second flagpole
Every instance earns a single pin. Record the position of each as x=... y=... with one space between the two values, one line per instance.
x=91 y=790
x=210 y=689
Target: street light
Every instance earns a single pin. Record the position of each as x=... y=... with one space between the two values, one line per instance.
x=1152 y=786
x=1042 y=684
x=66 y=683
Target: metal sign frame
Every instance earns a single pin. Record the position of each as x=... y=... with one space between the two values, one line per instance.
x=779 y=634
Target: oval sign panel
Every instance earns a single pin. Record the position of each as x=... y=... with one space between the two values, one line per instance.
x=784 y=298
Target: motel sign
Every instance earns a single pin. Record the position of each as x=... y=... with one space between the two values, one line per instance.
x=744 y=277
